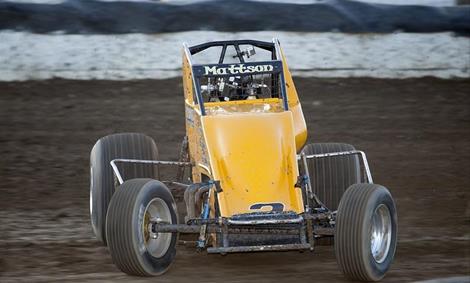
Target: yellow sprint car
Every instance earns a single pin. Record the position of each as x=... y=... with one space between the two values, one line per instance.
x=252 y=183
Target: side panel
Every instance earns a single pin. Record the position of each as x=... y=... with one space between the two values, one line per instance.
x=197 y=147
x=254 y=157
x=187 y=80
x=300 y=127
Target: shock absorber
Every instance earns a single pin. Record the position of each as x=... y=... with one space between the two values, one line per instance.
x=201 y=243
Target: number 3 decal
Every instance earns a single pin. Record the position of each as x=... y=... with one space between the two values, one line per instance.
x=275 y=206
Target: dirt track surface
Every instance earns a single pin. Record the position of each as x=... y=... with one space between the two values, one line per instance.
x=416 y=134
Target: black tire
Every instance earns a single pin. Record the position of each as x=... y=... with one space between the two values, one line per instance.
x=331 y=176
x=102 y=182
x=353 y=232
x=125 y=233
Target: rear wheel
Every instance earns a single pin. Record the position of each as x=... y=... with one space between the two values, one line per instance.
x=135 y=249
x=102 y=182
x=366 y=232
x=331 y=176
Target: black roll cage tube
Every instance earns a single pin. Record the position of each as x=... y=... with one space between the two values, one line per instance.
x=269 y=46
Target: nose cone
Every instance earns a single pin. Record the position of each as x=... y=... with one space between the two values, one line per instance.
x=254 y=157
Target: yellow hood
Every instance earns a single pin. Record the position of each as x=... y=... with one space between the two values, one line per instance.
x=254 y=157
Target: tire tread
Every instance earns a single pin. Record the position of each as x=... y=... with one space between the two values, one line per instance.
x=352 y=209
x=120 y=228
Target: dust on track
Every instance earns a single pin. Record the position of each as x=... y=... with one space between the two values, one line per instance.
x=416 y=134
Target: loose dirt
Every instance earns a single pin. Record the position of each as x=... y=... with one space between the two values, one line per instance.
x=416 y=134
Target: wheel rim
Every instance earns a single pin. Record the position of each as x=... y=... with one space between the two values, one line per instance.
x=381 y=233
x=91 y=191
x=156 y=244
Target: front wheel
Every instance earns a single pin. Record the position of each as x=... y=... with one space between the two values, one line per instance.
x=135 y=249
x=366 y=232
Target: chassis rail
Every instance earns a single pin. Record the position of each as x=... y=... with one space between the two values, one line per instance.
x=304 y=157
x=156 y=162
x=265 y=248
x=193 y=229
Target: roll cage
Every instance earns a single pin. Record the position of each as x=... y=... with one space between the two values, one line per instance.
x=268 y=46
x=242 y=80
